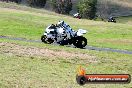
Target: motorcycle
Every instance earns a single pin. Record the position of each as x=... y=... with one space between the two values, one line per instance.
x=61 y=35
x=111 y=19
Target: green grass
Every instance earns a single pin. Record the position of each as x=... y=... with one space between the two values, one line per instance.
x=125 y=19
x=37 y=71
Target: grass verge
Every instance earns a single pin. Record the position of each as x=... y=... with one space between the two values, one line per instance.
x=35 y=70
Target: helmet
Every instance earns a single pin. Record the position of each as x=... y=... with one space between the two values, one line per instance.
x=60 y=23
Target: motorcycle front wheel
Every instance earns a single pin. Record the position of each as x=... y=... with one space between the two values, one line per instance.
x=46 y=40
x=80 y=42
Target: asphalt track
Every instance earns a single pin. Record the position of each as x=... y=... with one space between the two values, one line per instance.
x=87 y=47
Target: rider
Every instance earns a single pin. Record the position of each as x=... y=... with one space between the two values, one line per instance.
x=77 y=15
x=111 y=19
x=67 y=27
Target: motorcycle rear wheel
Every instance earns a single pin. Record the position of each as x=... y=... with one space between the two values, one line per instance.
x=80 y=42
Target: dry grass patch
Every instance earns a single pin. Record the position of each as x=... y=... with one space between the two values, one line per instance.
x=12 y=48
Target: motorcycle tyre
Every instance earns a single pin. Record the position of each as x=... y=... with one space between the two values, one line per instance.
x=78 y=42
x=49 y=41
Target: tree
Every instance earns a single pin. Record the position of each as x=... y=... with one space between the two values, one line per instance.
x=53 y=4
x=87 y=8
x=37 y=3
x=106 y=8
x=62 y=6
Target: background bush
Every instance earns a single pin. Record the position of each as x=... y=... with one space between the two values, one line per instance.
x=62 y=6
x=37 y=3
x=87 y=8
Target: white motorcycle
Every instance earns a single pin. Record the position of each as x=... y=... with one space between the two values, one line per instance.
x=62 y=35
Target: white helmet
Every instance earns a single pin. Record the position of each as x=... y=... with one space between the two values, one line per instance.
x=60 y=23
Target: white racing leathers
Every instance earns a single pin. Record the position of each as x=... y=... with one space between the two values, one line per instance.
x=70 y=33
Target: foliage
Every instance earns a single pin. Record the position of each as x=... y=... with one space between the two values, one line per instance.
x=37 y=3
x=87 y=8
x=62 y=6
